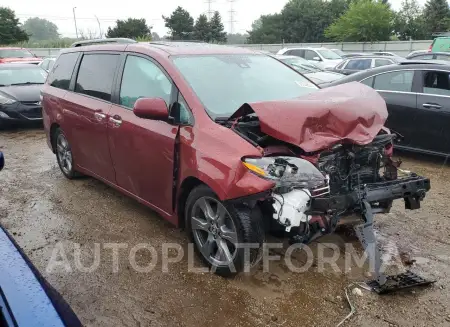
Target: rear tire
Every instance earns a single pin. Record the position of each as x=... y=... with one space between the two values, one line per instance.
x=64 y=155
x=216 y=227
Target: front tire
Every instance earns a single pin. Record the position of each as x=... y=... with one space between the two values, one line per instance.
x=218 y=230
x=64 y=155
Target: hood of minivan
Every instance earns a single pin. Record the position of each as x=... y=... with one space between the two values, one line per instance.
x=351 y=112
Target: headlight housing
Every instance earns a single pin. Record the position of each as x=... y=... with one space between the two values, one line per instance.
x=286 y=171
x=6 y=100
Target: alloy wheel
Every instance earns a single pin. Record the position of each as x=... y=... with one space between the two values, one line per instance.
x=214 y=231
x=64 y=154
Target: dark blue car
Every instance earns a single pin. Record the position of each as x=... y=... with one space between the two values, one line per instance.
x=26 y=298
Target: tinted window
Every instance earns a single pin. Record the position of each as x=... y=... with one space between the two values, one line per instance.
x=62 y=70
x=309 y=54
x=382 y=62
x=142 y=78
x=436 y=83
x=394 y=81
x=96 y=74
x=368 y=81
x=443 y=57
x=359 y=64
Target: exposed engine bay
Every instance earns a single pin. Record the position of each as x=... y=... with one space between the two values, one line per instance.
x=314 y=190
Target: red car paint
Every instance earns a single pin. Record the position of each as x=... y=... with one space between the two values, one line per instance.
x=350 y=112
x=32 y=59
x=138 y=157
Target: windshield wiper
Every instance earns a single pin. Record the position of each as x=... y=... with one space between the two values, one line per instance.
x=26 y=83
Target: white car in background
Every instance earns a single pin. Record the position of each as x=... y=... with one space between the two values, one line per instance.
x=322 y=57
x=47 y=63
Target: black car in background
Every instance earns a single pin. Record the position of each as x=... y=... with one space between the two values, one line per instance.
x=20 y=87
x=417 y=94
x=430 y=56
x=356 y=64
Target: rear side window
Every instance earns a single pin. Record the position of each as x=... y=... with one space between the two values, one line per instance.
x=359 y=64
x=62 y=70
x=96 y=74
x=382 y=62
x=394 y=81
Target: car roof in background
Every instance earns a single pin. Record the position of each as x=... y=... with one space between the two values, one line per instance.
x=18 y=66
x=167 y=48
x=429 y=53
x=368 y=56
x=425 y=64
x=12 y=48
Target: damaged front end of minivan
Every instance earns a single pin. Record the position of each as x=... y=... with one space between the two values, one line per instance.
x=328 y=159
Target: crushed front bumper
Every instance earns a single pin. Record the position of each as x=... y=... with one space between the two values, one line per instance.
x=412 y=189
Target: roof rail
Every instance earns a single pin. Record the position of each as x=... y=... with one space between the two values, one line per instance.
x=102 y=41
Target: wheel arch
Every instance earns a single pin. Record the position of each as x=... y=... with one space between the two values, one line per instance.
x=188 y=184
x=53 y=129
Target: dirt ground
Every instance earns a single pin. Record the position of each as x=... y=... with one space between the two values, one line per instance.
x=43 y=210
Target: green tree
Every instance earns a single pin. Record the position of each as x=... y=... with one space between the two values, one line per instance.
x=299 y=21
x=437 y=15
x=409 y=22
x=202 y=31
x=10 y=29
x=218 y=33
x=267 y=29
x=131 y=28
x=365 y=21
x=306 y=20
x=180 y=24
x=40 y=29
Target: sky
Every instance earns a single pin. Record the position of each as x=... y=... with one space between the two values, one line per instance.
x=86 y=11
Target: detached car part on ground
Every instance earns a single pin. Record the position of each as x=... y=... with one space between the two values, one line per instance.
x=26 y=298
x=296 y=166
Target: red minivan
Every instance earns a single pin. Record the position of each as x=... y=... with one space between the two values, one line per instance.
x=224 y=142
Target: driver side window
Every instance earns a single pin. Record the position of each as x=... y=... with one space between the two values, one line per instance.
x=143 y=79
x=309 y=55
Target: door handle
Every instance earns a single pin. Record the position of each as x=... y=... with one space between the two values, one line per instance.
x=116 y=120
x=431 y=106
x=99 y=116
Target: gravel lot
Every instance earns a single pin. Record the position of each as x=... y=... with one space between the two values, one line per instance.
x=42 y=210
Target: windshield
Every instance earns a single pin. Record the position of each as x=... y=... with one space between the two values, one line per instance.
x=328 y=54
x=224 y=83
x=15 y=53
x=32 y=75
x=301 y=65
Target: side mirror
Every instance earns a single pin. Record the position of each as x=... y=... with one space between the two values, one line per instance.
x=151 y=108
x=2 y=160
x=316 y=59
